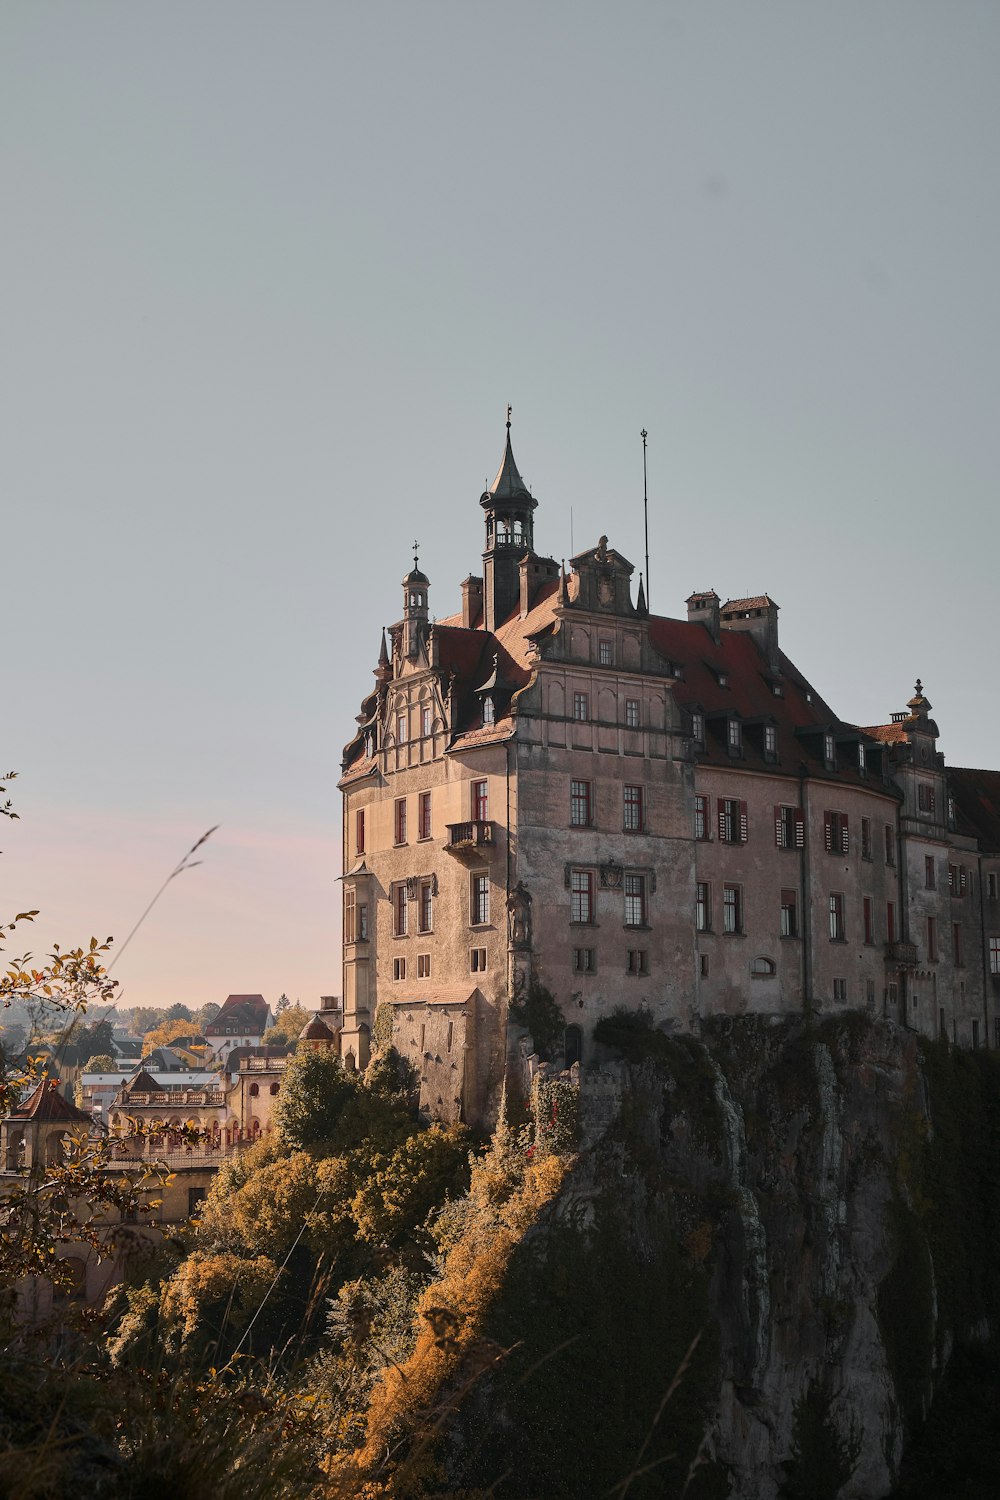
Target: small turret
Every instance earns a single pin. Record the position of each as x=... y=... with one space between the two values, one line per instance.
x=509 y=507
x=415 y=586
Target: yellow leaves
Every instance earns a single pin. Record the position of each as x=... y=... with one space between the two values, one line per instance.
x=202 y=1280
x=506 y=1195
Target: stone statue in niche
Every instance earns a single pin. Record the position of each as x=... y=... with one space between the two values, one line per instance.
x=519 y=916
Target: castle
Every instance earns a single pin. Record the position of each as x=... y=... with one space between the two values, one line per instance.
x=556 y=790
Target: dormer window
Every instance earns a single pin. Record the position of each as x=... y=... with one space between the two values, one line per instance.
x=777 y=690
x=862 y=761
x=735 y=737
x=829 y=751
x=723 y=679
x=698 y=728
x=489 y=711
x=770 y=740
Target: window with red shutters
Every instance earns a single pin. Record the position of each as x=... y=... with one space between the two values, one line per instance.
x=789 y=827
x=836 y=838
x=733 y=825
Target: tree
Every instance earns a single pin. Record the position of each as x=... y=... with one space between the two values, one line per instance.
x=178 y=1012
x=91 y=1039
x=314 y=1093
x=64 y=1201
x=145 y=1017
x=103 y=1062
x=282 y=1005
x=289 y=1025
x=206 y=1014
x=162 y=1036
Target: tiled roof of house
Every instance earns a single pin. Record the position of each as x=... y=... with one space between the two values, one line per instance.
x=316 y=1031
x=888 y=734
x=756 y=601
x=46 y=1103
x=246 y=1012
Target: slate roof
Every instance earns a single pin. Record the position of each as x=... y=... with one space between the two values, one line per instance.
x=977 y=804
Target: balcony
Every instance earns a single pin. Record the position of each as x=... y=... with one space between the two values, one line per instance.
x=473 y=837
x=902 y=955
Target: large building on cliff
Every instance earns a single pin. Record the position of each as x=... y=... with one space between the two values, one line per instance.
x=554 y=789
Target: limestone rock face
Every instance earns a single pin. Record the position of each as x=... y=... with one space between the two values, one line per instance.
x=807 y=1166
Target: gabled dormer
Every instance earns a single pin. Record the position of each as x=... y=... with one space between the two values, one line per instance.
x=603 y=579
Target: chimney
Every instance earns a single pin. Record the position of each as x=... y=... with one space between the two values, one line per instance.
x=533 y=571
x=472 y=601
x=703 y=609
x=759 y=617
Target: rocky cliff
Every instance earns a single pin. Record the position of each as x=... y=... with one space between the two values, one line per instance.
x=774 y=1239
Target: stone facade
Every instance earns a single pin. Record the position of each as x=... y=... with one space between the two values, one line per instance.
x=554 y=790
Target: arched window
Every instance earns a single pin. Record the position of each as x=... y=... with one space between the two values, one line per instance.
x=254 y=1090
x=762 y=968
x=274 y=1089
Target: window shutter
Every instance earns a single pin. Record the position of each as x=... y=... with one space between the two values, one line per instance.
x=722 y=819
x=800 y=829
x=828 y=831
x=847 y=836
x=777 y=828
x=743 y=822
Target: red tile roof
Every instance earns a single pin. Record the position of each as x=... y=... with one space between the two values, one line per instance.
x=888 y=734
x=798 y=713
x=757 y=601
x=248 y=1012
x=46 y=1103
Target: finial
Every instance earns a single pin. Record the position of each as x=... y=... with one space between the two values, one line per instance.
x=416 y=547
x=644 y=435
x=509 y=411
x=919 y=689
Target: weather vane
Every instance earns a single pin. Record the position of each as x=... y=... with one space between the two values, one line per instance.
x=509 y=410
x=416 y=549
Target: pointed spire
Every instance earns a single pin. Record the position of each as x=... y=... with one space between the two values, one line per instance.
x=383 y=656
x=640 y=601
x=562 y=595
x=508 y=483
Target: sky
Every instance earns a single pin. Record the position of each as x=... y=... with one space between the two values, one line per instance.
x=270 y=274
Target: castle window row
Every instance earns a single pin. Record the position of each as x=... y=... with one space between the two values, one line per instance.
x=417 y=892
x=584 y=961
x=479 y=811
x=583 y=897
x=788 y=916
x=732 y=826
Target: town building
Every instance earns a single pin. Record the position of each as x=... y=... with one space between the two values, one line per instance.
x=241 y=1022
x=553 y=790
